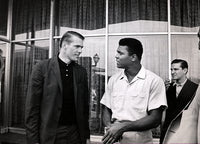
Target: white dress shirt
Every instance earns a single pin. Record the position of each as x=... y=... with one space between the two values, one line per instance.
x=179 y=87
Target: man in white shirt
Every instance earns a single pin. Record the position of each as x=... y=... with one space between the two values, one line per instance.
x=134 y=99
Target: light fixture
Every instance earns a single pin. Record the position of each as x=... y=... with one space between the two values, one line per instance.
x=96 y=59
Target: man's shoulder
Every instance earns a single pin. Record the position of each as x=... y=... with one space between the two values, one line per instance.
x=44 y=65
x=78 y=66
x=192 y=83
x=39 y=63
x=116 y=75
x=152 y=75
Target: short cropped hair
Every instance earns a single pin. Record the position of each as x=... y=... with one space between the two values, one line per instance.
x=67 y=36
x=183 y=63
x=134 y=46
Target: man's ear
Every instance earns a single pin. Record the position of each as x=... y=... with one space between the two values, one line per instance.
x=64 y=44
x=185 y=70
x=134 y=57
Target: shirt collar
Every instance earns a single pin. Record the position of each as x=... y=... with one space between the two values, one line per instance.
x=141 y=74
x=181 y=84
x=65 y=65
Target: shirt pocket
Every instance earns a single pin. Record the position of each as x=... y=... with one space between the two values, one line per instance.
x=138 y=101
x=118 y=100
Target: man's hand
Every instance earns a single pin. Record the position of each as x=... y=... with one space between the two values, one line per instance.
x=167 y=83
x=114 y=133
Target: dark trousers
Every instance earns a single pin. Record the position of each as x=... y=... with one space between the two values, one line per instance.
x=68 y=135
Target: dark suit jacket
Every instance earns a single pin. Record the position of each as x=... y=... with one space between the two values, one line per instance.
x=177 y=105
x=44 y=102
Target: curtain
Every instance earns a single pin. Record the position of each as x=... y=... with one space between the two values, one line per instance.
x=3 y=17
x=25 y=57
x=31 y=19
x=30 y=16
x=82 y=14
x=20 y=84
x=132 y=10
x=185 y=13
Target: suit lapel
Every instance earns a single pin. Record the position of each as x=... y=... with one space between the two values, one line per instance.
x=172 y=103
x=56 y=69
x=185 y=96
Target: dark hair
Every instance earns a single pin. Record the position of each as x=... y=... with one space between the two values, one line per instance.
x=67 y=36
x=183 y=63
x=134 y=46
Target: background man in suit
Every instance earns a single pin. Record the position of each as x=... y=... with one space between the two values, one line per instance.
x=57 y=107
x=179 y=95
x=135 y=98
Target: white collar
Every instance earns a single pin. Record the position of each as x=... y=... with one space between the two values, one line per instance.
x=140 y=75
x=180 y=84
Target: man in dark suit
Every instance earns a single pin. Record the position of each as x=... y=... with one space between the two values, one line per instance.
x=179 y=96
x=57 y=105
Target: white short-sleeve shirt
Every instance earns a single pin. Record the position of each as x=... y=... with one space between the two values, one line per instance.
x=132 y=100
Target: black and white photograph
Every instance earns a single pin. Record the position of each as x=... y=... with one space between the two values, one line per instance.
x=99 y=71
